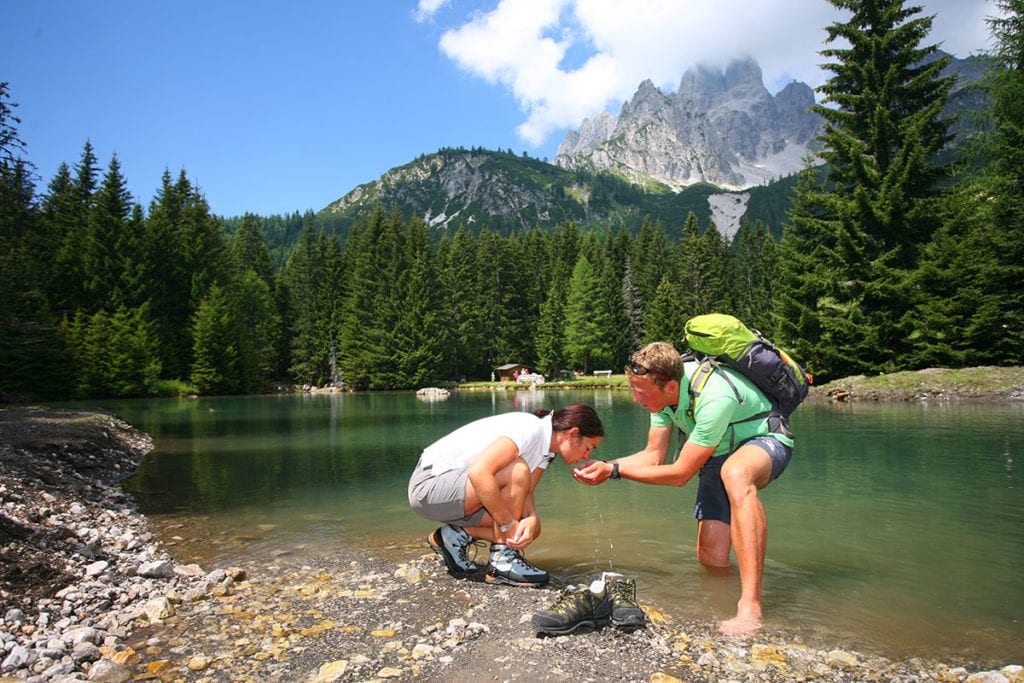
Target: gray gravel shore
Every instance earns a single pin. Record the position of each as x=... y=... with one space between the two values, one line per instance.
x=87 y=592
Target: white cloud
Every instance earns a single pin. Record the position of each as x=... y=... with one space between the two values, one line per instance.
x=426 y=9
x=565 y=60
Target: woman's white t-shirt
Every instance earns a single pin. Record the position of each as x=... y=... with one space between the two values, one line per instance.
x=531 y=434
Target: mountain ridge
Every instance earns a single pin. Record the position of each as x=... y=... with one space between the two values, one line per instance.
x=721 y=126
x=721 y=146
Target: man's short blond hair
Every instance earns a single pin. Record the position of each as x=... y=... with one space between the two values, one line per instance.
x=661 y=360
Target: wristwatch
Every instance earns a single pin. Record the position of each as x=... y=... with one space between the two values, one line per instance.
x=505 y=527
x=615 y=471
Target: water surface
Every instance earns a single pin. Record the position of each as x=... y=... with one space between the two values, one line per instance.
x=897 y=529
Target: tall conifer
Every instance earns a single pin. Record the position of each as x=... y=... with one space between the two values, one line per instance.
x=875 y=209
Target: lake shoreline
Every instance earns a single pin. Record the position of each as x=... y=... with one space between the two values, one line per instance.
x=116 y=600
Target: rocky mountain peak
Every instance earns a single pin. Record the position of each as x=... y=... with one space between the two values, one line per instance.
x=722 y=126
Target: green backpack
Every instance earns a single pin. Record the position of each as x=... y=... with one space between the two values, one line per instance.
x=717 y=338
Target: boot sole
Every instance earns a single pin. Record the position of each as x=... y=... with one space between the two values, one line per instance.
x=495 y=580
x=628 y=624
x=587 y=624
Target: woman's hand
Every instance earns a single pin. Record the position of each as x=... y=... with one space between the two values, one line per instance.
x=592 y=472
x=522 y=533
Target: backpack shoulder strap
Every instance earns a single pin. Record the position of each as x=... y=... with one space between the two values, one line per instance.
x=700 y=378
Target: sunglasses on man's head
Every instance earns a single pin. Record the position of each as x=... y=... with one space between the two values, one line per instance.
x=635 y=368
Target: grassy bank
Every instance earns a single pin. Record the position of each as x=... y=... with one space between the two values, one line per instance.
x=981 y=383
x=994 y=383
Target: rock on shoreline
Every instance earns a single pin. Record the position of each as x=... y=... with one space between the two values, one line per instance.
x=87 y=592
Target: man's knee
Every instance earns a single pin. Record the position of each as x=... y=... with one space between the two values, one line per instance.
x=713 y=558
x=714 y=541
x=745 y=475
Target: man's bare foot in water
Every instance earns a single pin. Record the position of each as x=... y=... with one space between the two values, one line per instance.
x=746 y=621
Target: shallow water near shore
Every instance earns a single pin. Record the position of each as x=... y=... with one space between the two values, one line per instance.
x=897 y=530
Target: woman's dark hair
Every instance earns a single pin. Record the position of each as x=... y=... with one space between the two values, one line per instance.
x=574 y=415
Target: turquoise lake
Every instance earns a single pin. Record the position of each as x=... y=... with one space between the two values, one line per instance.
x=897 y=530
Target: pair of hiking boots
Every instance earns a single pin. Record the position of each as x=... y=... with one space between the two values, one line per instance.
x=505 y=565
x=611 y=598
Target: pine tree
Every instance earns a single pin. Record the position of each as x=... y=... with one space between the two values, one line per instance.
x=248 y=251
x=690 y=273
x=653 y=257
x=108 y=240
x=183 y=256
x=704 y=272
x=30 y=360
x=1003 y=332
x=165 y=278
x=462 y=306
x=371 y=308
x=634 y=308
x=754 y=277
x=663 y=321
x=876 y=208
x=67 y=210
x=113 y=354
x=495 y=270
x=255 y=305
x=418 y=353
x=585 y=319
x=215 y=368
x=302 y=281
x=257 y=325
x=55 y=218
x=134 y=366
x=551 y=358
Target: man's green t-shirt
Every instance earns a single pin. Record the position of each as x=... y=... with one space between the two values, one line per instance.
x=719 y=419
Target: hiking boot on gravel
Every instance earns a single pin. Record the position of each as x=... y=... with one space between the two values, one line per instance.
x=450 y=543
x=626 y=612
x=508 y=566
x=579 y=606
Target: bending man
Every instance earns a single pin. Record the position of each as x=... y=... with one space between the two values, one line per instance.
x=732 y=443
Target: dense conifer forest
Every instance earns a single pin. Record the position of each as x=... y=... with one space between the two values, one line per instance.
x=891 y=258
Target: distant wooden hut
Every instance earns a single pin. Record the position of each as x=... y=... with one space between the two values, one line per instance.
x=508 y=372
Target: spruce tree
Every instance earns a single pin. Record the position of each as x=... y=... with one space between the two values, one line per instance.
x=586 y=340
x=664 y=321
x=634 y=308
x=301 y=278
x=167 y=279
x=248 y=251
x=1004 y=330
x=754 y=277
x=56 y=218
x=30 y=360
x=551 y=358
x=876 y=207
x=462 y=307
x=68 y=220
x=418 y=354
x=215 y=368
x=108 y=240
x=257 y=325
x=370 y=311
x=495 y=270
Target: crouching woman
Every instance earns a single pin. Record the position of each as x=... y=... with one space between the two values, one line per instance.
x=480 y=481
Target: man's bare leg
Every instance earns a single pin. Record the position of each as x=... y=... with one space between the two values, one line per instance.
x=748 y=470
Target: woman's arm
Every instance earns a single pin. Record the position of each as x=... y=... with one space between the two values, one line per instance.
x=528 y=529
x=485 y=490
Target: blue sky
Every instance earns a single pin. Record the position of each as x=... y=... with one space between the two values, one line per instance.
x=273 y=107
